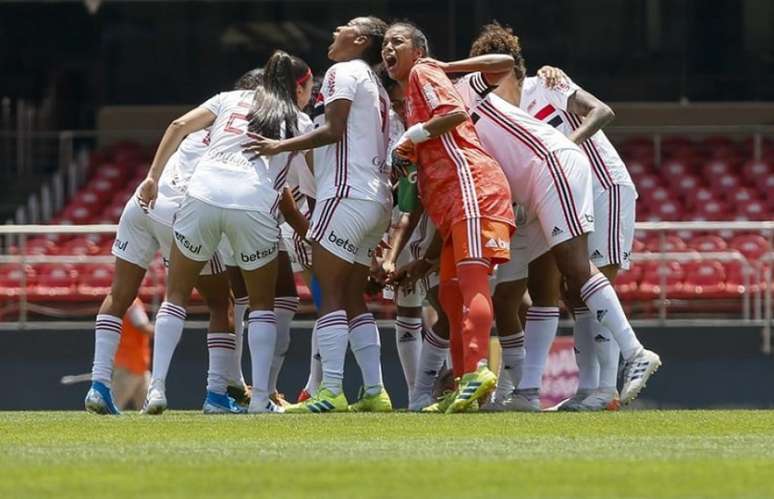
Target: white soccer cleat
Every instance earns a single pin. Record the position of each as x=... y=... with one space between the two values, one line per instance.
x=420 y=401
x=599 y=400
x=637 y=371
x=264 y=407
x=523 y=401
x=156 y=400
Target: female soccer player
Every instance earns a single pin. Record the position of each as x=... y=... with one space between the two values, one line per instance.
x=300 y=182
x=142 y=232
x=351 y=213
x=464 y=192
x=550 y=177
x=231 y=194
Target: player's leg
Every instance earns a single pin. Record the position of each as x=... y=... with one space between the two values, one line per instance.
x=408 y=336
x=197 y=236
x=434 y=352
x=134 y=249
x=510 y=286
x=213 y=285
x=285 y=308
x=364 y=337
x=593 y=288
x=255 y=241
x=237 y=386
x=332 y=264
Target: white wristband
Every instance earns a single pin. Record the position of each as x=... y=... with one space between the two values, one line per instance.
x=417 y=133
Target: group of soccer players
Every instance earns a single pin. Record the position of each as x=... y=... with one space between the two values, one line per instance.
x=504 y=183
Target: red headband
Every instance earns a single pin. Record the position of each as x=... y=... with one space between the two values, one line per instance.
x=306 y=76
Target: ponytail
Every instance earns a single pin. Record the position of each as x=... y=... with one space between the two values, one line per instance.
x=274 y=105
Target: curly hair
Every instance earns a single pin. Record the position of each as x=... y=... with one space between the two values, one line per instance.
x=498 y=39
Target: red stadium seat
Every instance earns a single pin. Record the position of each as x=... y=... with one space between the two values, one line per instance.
x=12 y=279
x=752 y=246
x=705 y=279
x=668 y=211
x=715 y=168
x=648 y=183
x=95 y=280
x=672 y=244
x=741 y=195
x=754 y=171
x=753 y=210
x=79 y=246
x=708 y=242
x=685 y=184
x=627 y=283
x=672 y=274
x=638 y=148
x=735 y=278
x=55 y=281
x=711 y=210
x=724 y=182
x=637 y=168
x=698 y=197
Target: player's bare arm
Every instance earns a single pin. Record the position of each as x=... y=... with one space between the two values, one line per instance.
x=430 y=129
x=398 y=237
x=292 y=214
x=596 y=114
x=330 y=132
x=494 y=67
x=192 y=121
x=410 y=273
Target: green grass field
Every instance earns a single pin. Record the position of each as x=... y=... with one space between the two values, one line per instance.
x=181 y=454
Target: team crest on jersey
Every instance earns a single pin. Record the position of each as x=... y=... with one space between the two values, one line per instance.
x=430 y=96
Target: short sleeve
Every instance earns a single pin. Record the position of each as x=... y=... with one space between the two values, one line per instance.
x=340 y=82
x=435 y=89
x=213 y=104
x=304 y=123
x=560 y=94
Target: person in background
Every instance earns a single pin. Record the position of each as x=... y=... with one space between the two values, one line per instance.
x=131 y=375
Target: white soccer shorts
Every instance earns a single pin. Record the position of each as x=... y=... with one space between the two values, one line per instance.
x=560 y=208
x=253 y=236
x=139 y=237
x=349 y=228
x=613 y=236
x=298 y=249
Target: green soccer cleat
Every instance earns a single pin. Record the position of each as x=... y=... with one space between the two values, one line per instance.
x=444 y=401
x=472 y=387
x=378 y=402
x=324 y=401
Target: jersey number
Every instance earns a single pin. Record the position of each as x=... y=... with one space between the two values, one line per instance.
x=230 y=124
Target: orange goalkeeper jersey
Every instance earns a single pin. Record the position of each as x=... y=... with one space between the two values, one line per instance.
x=457 y=178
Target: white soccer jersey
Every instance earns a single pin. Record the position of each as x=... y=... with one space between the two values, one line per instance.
x=520 y=143
x=173 y=183
x=226 y=176
x=396 y=132
x=550 y=106
x=354 y=167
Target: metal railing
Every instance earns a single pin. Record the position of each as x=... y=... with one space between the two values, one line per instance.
x=756 y=306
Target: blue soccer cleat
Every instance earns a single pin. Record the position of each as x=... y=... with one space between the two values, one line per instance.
x=99 y=400
x=217 y=403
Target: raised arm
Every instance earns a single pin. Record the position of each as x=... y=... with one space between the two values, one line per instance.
x=336 y=114
x=192 y=121
x=596 y=115
x=494 y=67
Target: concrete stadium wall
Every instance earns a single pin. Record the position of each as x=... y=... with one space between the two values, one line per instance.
x=703 y=367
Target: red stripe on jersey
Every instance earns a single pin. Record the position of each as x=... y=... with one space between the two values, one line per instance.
x=541 y=115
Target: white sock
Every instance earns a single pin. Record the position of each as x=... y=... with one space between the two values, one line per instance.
x=220 y=347
x=261 y=336
x=366 y=345
x=315 y=365
x=285 y=309
x=333 y=335
x=166 y=335
x=601 y=299
x=608 y=354
x=539 y=334
x=408 y=339
x=434 y=352
x=512 y=364
x=107 y=336
x=585 y=356
x=241 y=305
